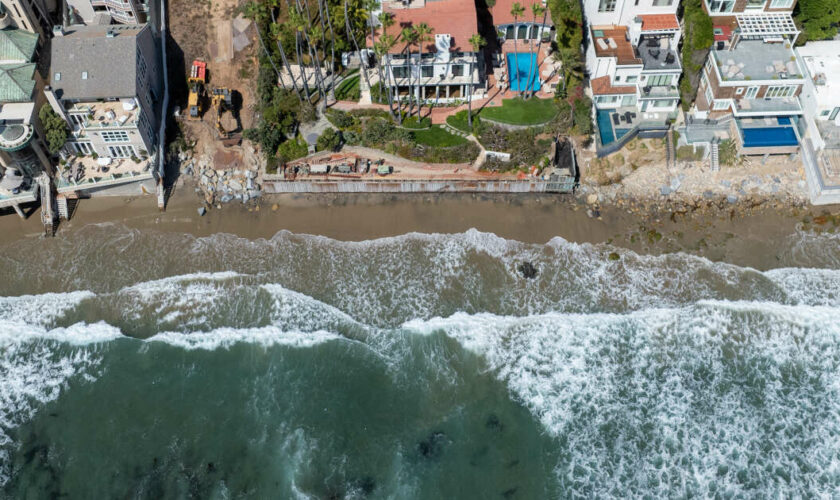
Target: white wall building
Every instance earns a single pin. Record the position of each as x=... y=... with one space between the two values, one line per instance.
x=820 y=95
x=104 y=11
x=633 y=62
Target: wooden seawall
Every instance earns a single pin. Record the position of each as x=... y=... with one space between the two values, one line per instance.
x=418 y=186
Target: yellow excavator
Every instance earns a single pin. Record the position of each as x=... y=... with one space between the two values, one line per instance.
x=196 y=81
x=222 y=101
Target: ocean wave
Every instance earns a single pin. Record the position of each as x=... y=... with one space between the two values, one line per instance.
x=718 y=397
x=41 y=310
x=224 y=338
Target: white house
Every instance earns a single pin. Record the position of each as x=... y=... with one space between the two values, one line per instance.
x=820 y=96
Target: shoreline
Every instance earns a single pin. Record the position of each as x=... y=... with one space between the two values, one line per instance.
x=742 y=234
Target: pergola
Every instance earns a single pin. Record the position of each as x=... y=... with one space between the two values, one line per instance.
x=767 y=25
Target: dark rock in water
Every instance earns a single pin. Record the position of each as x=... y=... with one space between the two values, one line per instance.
x=614 y=256
x=513 y=463
x=211 y=467
x=510 y=492
x=494 y=423
x=527 y=270
x=432 y=446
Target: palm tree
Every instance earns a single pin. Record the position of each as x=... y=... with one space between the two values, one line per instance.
x=324 y=14
x=516 y=10
x=571 y=65
x=352 y=37
x=424 y=34
x=299 y=25
x=386 y=20
x=386 y=43
x=277 y=35
x=476 y=42
x=537 y=10
x=256 y=12
x=409 y=36
x=315 y=36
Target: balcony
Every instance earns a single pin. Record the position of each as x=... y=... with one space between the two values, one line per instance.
x=759 y=61
x=658 y=54
x=104 y=115
x=659 y=92
x=762 y=107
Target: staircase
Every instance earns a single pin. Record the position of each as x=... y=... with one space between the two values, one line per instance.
x=714 y=157
x=63 y=211
x=670 y=159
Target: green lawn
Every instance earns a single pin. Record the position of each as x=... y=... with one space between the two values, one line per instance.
x=437 y=137
x=459 y=121
x=521 y=112
x=416 y=123
x=348 y=89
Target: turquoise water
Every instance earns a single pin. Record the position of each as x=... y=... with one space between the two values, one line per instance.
x=524 y=72
x=161 y=365
x=605 y=128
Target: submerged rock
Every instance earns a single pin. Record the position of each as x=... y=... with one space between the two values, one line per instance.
x=527 y=270
x=432 y=446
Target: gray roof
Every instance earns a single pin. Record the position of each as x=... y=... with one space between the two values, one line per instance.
x=108 y=62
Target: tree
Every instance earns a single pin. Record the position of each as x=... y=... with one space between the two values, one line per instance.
x=538 y=11
x=516 y=10
x=256 y=12
x=571 y=66
x=352 y=37
x=386 y=20
x=424 y=34
x=819 y=19
x=409 y=37
x=476 y=42
x=55 y=128
x=277 y=33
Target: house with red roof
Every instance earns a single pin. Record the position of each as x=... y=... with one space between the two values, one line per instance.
x=633 y=61
x=444 y=68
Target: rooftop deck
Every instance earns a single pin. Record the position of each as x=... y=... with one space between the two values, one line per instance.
x=758 y=107
x=109 y=114
x=657 y=54
x=756 y=60
x=85 y=172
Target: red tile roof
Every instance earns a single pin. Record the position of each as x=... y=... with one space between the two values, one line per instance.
x=602 y=86
x=658 y=22
x=501 y=12
x=456 y=18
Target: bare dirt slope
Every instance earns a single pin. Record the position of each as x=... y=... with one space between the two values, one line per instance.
x=209 y=31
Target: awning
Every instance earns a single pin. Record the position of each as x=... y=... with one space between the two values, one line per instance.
x=659 y=22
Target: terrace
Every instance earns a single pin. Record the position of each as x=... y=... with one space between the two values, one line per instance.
x=756 y=60
x=86 y=172
x=105 y=114
x=760 y=107
x=658 y=53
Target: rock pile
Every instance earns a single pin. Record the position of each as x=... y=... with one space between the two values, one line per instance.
x=222 y=186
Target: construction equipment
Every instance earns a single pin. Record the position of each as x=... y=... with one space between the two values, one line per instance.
x=222 y=101
x=196 y=81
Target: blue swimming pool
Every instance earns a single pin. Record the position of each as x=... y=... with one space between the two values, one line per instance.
x=769 y=136
x=605 y=129
x=520 y=66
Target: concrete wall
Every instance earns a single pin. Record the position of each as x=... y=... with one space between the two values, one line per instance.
x=420 y=186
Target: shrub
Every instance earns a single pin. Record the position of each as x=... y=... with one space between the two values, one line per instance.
x=379 y=131
x=55 y=128
x=292 y=149
x=341 y=119
x=416 y=123
x=582 y=113
x=328 y=141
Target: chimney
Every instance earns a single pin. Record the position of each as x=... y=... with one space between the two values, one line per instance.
x=58 y=30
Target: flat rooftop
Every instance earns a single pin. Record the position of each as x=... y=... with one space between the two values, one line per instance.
x=756 y=60
x=822 y=59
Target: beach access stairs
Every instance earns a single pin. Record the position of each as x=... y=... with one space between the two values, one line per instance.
x=714 y=156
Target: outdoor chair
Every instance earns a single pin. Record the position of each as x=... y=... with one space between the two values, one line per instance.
x=615 y=119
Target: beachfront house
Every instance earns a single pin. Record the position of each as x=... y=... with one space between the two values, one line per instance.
x=105 y=11
x=634 y=67
x=448 y=70
x=23 y=154
x=752 y=78
x=105 y=81
x=524 y=46
x=820 y=96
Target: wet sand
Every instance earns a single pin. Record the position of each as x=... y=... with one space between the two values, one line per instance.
x=747 y=240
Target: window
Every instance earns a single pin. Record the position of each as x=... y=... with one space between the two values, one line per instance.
x=58 y=77
x=617 y=78
x=663 y=103
x=458 y=69
x=115 y=136
x=121 y=151
x=84 y=75
x=522 y=32
x=834 y=113
x=718 y=6
x=825 y=112
x=84 y=148
x=756 y=4
x=781 y=4
x=509 y=33
x=606 y=99
x=428 y=71
x=718 y=32
x=721 y=105
x=400 y=71
x=78 y=120
x=776 y=91
x=632 y=79
x=628 y=100
x=751 y=92
x=708 y=94
x=659 y=80
x=662 y=3
x=606 y=6
x=739 y=91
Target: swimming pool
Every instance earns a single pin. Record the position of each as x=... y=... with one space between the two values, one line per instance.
x=523 y=62
x=605 y=130
x=769 y=136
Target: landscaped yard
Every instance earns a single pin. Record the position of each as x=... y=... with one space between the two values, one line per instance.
x=438 y=137
x=348 y=89
x=521 y=112
x=459 y=121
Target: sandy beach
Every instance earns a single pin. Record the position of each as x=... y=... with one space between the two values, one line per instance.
x=742 y=238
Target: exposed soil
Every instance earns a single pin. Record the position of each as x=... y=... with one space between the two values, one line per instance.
x=205 y=30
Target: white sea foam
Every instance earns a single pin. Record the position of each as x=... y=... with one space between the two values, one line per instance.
x=713 y=398
x=42 y=309
x=808 y=286
x=224 y=338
